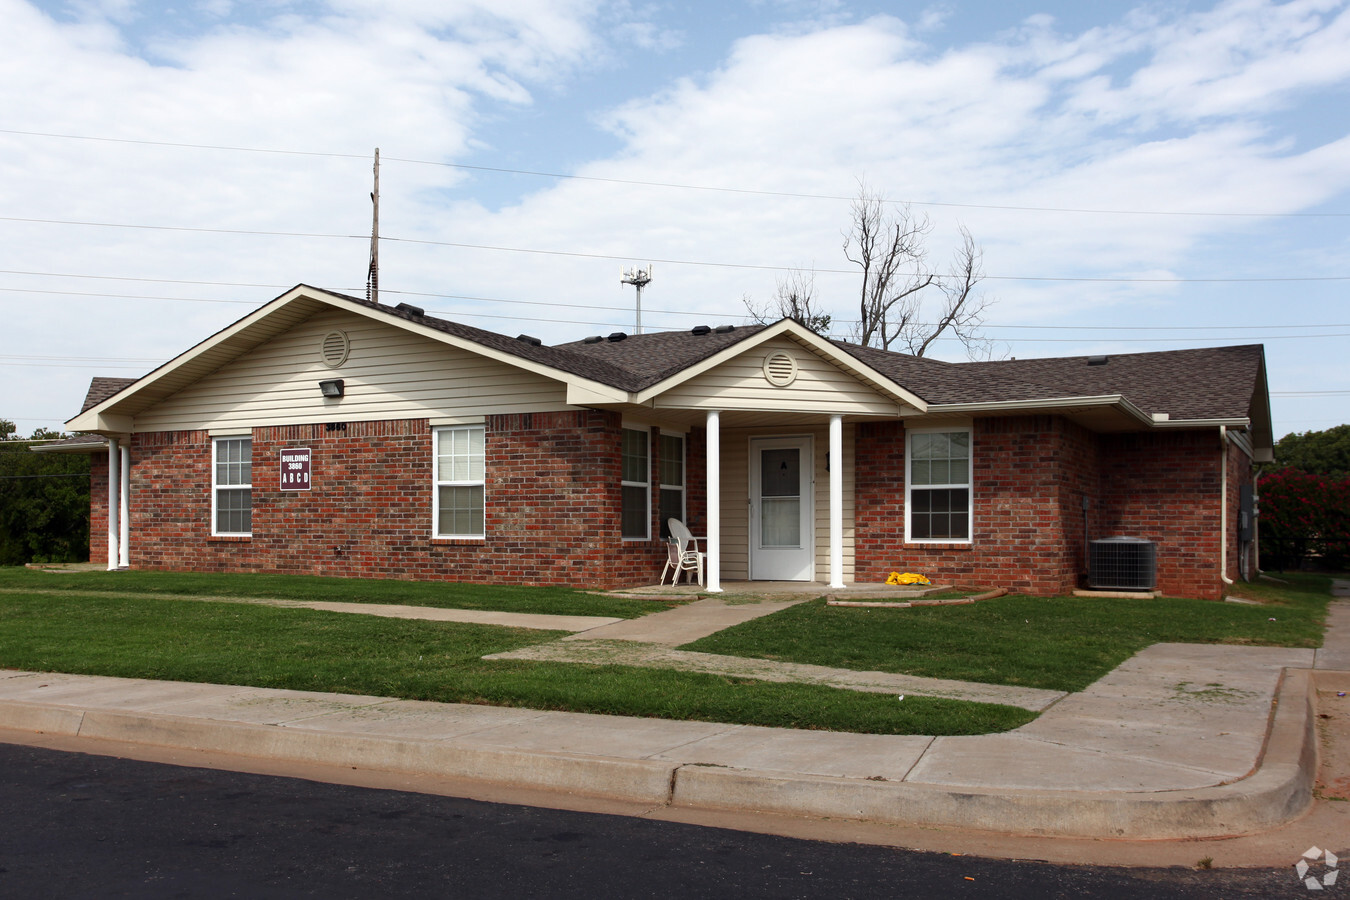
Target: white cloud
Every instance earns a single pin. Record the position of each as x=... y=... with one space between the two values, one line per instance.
x=1183 y=112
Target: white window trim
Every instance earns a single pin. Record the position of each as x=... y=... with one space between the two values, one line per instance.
x=969 y=486
x=645 y=485
x=216 y=488
x=684 y=476
x=437 y=484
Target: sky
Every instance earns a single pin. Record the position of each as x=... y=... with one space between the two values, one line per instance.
x=1138 y=176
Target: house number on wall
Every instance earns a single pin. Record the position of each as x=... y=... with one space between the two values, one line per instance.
x=295 y=469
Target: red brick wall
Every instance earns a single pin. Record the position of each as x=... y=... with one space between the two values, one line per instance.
x=1026 y=472
x=552 y=509
x=553 y=502
x=98 y=507
x=1030 y=477
x=1164 y=486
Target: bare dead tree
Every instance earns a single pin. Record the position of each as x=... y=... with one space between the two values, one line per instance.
x=795 y=299
x=891 y=250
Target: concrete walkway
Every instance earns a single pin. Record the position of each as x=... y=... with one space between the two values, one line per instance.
x=683 y=624
x=1335 y=650
x=539 y=621
x=628 y=652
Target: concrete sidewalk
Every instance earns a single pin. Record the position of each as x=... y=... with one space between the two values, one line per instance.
x=1180 y=741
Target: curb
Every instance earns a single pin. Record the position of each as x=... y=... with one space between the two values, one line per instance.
x=1278 y=789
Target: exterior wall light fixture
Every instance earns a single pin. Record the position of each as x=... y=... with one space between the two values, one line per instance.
x=332 y=388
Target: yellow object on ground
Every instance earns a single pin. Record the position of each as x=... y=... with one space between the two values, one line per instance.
x=907 y=578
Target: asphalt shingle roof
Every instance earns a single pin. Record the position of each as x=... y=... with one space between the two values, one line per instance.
x=1207 y=383
x=101 y=389
x=1210 y=383
x=1216 y=382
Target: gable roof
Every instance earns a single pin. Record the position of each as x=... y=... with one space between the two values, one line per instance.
x=1223 y=385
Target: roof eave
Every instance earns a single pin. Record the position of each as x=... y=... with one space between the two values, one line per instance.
x=1047 y=404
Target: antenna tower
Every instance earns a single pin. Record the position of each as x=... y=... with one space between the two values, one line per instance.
x=638 y=278
x=373 y=273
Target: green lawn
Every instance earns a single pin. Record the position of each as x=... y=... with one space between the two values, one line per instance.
x=500 y=598
x=1059 y=643
x=230 y=643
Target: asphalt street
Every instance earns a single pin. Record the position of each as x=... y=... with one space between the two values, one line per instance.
x=77 y=825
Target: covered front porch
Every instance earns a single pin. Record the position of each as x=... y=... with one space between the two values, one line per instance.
x=774 y=417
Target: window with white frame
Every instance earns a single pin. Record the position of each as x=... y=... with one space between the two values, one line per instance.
x=672 y=480
x=937 y=491
x=637 y=496
x=459 y=496
x=232 y=486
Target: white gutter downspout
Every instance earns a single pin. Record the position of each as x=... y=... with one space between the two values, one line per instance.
x=114 y=504
x=1223 y=506
x=124 y=510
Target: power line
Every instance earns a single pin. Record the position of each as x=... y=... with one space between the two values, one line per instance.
x=621 y=312
x=679 y=185
x=245 y=284
x=557 y=303
x=665 y=261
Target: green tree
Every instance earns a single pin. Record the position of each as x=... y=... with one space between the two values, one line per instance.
x=1316 y=452
x=44 y=501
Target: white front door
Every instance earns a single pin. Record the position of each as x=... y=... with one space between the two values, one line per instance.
x=782 y=515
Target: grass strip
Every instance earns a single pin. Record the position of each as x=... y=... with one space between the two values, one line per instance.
x=270 y=647
x=499 y=598
x=1057 y=643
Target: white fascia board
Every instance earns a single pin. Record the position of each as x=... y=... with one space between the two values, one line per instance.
x=1116 y=400
x=1047 y=404
x=592 y=394
x=1236 y=422
x=803 y=336
x=91 y=421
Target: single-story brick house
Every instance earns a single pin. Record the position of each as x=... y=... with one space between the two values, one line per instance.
x=331 y=435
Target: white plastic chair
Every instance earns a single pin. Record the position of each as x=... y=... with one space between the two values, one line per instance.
x=684 y=555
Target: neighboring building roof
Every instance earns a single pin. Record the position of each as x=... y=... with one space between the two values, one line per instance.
x=80 y=443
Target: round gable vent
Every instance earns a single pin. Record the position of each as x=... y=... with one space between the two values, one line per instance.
x=335 y=348
x=780 y=368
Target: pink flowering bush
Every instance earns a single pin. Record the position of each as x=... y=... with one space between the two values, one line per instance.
x=1304 y=515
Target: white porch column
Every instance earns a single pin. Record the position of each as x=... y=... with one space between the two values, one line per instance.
x=114 y=502
x=713 y=575
x=836 y=502
x=124 y=511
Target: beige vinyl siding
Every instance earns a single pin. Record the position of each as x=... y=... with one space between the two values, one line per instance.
x=736 y=498
x=389 y=374
x=740 y=384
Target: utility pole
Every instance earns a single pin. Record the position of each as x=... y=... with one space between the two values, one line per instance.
x=373 y=273
x=638 y=278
